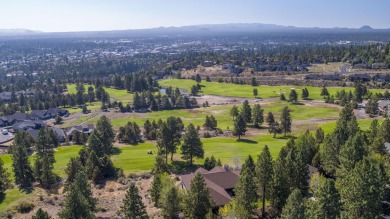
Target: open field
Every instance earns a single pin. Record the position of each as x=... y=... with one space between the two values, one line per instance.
x=115 y=94
x=235 y=90
x=331 y=67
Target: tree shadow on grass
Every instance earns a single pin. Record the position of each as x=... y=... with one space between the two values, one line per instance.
x=182 y=167
x=2 y=197
x=116 y=151
x=248 y=141
x=286 y=137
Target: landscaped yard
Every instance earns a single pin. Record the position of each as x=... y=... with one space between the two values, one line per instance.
x=235 y=90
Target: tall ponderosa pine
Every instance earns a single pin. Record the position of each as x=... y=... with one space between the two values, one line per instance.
x=73 y=167
x=4 y=178
x=364 y=189
x=44 y=160
x=192 y=146
x=257 y=115
x=346 y=126
x=264 y=168
x=133 y=207
x=285 y=120
x=294 y=207
x=78 y=202
x=246 y=198
x=169 y=136
x=20 y=164
x=156 y=188
x=246 y=112
x=197 y=202
x=234 y=111
x=239 y=126
x=279 y=189
x=270 y=118
x=102 y=138
x=327 y=200
x=171 y=204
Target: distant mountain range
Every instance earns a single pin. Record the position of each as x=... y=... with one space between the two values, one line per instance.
x=205 y=28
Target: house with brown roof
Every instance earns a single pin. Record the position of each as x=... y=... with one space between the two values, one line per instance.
x=220 y=182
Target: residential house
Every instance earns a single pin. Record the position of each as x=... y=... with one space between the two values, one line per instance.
x=54 y=112
x=6 y=96
x=40 y=114
x=384 y=105
x=18 y=117
x=326 y=77
x=361 y=65
x=3 y=121
x=85 y=128
x=220 y=182
x=28 y=124
x=60 y=134
x=381 y=78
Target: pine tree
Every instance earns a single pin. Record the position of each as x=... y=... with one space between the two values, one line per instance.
x=73 y=167
x=245 y=197
x=293 y=97
x=270 y=118
x=239 y=126
x=234 y=111
x=352 y=152
x=279 y=189
x=75 y=205
x=286 y=120
x=44 y=160
x=160 y=166
x=170 y=206
x=4 y=178
x=324 y=92
x=156 y=189
x=192 y=146
x=197 y=203
x=294 y=207
x=264 y=168
x=257 y=115
x=246 y=112
x=133 y=207
x=106 y=134
x=41 y=214
x=320 y=135
x=363 y=190
x=20 y=163
x=327 y=200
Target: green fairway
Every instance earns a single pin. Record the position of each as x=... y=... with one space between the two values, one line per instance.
x=115 y=94
x=222 y=114
x=90 y=106
x=12 y=196
x=229 y=149
x=135 y=159
x=235 y=90
x=364 y=124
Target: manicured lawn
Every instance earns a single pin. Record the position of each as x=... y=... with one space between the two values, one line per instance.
x=115 y=94
x=12 y=196
x=90 y=106
x=229 y=149
x=135 y=159
x=234 y=90
x=364 y=124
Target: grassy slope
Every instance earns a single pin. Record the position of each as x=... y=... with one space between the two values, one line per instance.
x=234 y=90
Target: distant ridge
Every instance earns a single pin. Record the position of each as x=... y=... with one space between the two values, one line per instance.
x=197 y=29
x=366 y=27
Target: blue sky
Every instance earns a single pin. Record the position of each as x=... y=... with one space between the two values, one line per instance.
x=78 y=15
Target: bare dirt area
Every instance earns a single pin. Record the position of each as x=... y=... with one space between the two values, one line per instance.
x=222 y=100
x=109 y=199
